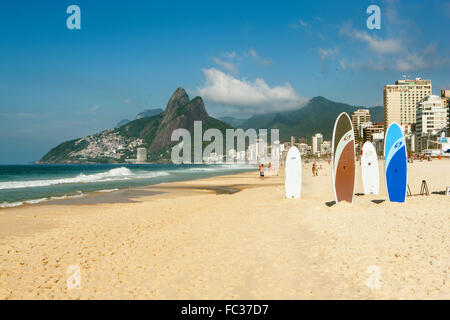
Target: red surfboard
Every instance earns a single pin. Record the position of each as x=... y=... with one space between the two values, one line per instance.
x=343 y=159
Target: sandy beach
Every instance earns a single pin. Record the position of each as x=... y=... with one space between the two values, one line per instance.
x=233 y=237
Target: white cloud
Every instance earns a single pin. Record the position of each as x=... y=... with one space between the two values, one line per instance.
x=302 y=23
x=381 y=46
x=390 y=53
x=396 y=50
x=327 y=53
x=232 y=59
x=229 y=66
x=229 y=55
x=255 y=56
x=257 y=96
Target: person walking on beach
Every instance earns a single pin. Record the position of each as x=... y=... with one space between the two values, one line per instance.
x=261 y=171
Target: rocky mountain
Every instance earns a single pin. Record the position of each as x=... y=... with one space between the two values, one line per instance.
x=146 y=113
x=318 y=115
x=154 y=133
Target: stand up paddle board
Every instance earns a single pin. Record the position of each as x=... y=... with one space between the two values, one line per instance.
x=293 y=173
x=343 y=156
x=395 y=163
x=369 y=169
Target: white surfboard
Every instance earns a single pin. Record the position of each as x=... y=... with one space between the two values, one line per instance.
x=293 y=174
x=369 y=169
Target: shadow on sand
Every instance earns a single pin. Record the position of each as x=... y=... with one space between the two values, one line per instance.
x=330 y=203
x=378 y=201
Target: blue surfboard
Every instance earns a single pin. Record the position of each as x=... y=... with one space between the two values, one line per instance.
x=395 y=158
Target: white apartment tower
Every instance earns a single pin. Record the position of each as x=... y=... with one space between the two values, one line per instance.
x=316 y=143
x=401 y=100
x=430 y=116
x=141 y=154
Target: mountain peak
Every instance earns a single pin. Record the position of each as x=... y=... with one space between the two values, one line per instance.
x=178 y=100
x=319 y=99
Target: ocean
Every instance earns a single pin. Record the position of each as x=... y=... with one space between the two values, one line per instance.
x=30 y=184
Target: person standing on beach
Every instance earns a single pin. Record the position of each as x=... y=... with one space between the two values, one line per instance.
x=315 y=169
x=261 y=171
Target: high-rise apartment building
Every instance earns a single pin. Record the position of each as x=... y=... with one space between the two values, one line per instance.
x=430 y=116
x=316 y=143
x=445 y=99
x=430 y=119
x=360 y=117
x=141 y=154
x=401 y=100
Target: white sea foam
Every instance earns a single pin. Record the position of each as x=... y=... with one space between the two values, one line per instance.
x=10 y=204
x=108 y=190
x=115 y=174
x=35 y=201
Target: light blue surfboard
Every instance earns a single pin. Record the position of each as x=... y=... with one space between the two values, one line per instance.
x=395 y=158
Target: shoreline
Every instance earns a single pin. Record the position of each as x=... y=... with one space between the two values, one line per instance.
x=189 y=242
x=87 y=196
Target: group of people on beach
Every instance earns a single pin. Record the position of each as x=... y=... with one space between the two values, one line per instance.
x=315 y=169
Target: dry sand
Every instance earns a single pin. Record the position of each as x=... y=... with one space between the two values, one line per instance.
x=199 y=240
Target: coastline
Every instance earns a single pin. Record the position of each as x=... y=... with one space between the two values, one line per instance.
x=88 y=192
x=191 y=242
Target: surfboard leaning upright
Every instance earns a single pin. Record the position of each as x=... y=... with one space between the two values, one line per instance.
x=343 y=159
x=293 y=174
x=369 y=169
x=395 y=165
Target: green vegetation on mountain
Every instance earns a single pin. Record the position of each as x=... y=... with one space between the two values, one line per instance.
x=317 y=116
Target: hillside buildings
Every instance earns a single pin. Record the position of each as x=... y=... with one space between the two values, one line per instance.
x=401 y=100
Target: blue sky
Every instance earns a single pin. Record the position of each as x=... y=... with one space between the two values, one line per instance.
x=242 y=57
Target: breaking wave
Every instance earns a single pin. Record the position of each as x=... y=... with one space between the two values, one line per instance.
x=115 y=174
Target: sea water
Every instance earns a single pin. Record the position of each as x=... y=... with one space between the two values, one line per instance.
x=29 y=184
